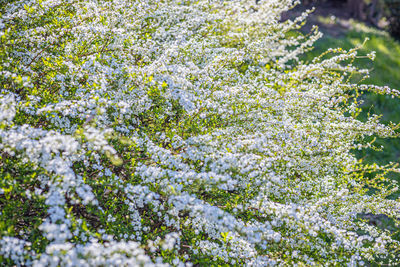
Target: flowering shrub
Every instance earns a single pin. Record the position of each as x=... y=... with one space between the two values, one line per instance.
x=183 y=132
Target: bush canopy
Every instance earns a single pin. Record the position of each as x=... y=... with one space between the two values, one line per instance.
x=184 y=132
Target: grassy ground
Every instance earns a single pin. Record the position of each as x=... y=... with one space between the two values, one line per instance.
x=385 y=70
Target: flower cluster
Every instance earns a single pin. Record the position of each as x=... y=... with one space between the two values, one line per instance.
x=190 y=132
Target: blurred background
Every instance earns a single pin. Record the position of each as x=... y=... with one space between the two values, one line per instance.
x=382 y=14
x=346 y=24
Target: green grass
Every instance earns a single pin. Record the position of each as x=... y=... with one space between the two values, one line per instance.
x=384 y=70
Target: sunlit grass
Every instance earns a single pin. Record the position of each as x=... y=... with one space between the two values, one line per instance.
x=384 y=70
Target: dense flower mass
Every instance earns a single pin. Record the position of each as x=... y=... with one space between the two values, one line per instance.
x=184 y=132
